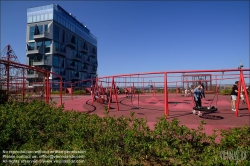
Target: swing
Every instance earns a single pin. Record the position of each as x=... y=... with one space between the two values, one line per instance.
x=210 y=109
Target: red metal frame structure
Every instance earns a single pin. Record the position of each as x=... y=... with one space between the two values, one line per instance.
x=201 y=78
x=8 y=63
x=168 y=74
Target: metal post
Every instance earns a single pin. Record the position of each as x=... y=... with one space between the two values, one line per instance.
x=133 y=91
x=166 y=95
x=245 y=90
x=116 y=96
x=154 y=90
x=23 y=86
x=71 y=91
x=8 y=72
x=238 y=97
x=142 y=85
x=216 y=88
x=176 y=88
x=61 y=91
x=47 y=88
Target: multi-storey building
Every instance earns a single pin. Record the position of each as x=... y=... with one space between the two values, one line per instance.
x=58 y=42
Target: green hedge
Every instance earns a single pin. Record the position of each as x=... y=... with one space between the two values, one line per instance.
x=114 y=141
x=79 y=92
x=226 y=91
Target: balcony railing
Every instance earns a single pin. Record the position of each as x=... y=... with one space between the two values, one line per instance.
x=42 y=37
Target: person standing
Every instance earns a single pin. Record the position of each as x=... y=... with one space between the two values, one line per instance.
x=234 y=94
x=197 y=96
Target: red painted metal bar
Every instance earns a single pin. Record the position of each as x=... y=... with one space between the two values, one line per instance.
x=49 y=89
x=116 y=96
x=132 y=90
x=176 y=89
x=154 y=89
x=245 y=91
x=166 y=112
x=178 y=71
x=238 y=98
x=142 y=85
x=71 y=93
x=23 y=86
x=110 y=96
x=61 y=91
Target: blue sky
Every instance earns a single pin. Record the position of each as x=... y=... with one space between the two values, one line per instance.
x=148 y=36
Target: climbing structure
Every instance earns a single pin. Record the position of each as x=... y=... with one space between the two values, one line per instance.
x=10 y=76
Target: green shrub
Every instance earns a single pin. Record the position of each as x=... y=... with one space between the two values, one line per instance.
x=114 y=141
x=79 y=92
x=57 y=92
x=226 y=91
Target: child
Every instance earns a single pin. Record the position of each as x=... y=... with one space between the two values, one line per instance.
x=198 y=96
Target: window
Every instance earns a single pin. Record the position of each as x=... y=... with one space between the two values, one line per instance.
x=62 y=72
x=56 y=33
x=63 y=63
x=29 y=19
x=63 y=36
x=42 y=17
x=31 y=60
x=31 y=46
x=72 y=63
x=38 y=30
x=34 y=18
x=32 y=31
x=80 y=54
x=45 y=27
x=50 y=16
x=38 y=18
x=76 y=42
x=75 y=53
x=85 y=46
x=72 y=39
x=56 y=70
x=56 y=17
x=62 y=48
x=46 y=17
x=55 y=61
x=56 y=46
x=47 y=46
x=38 y=45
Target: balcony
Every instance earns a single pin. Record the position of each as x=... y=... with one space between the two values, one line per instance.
x=63 y=74
x=41 y=37
x=34 y=74
x=92 y=54
x=86 y=61
x=94 y=64
x=83 y=50
x=75 y=58
x=38 y=63
x=74 y=77
x=34 y=52
x=69 y=66
x=60 y=52
x=70 y=41
x=84 y=69
x=92 y=71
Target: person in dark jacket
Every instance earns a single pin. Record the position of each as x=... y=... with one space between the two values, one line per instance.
x=198 y=95
x=234 y=94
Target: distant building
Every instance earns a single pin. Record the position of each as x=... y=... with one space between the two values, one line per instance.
x=56 y=41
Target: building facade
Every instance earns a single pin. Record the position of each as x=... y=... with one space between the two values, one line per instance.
x=58 y=42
